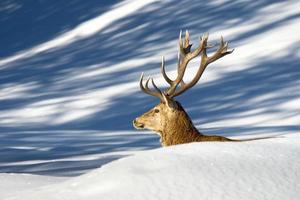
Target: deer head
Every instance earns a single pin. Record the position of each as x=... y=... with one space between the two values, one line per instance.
x=168 y=118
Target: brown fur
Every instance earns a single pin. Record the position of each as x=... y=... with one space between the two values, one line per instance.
x=182 y=130
x=173 y=125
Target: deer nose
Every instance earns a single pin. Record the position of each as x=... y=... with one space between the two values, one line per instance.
x=135 y=122
x=137 y=125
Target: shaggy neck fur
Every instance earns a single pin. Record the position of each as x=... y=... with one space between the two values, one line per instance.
x=181 y=130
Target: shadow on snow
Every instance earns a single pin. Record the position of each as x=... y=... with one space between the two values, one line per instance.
x=140 y=35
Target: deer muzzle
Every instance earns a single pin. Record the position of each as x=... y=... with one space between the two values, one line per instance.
x=137 y=124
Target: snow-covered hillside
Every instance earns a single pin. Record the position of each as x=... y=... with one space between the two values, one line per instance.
x=69 y=90
x=264 y=169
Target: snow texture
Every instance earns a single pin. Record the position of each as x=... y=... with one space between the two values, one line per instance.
x=262 y=169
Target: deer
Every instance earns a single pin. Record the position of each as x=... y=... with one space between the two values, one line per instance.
x=168 y=118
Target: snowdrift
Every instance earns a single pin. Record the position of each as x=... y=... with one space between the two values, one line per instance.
x=262 y=169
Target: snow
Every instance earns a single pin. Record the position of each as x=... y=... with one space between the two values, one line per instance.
x=17 y=183
x=262 y=169
x=85 y=29
x=69 y=91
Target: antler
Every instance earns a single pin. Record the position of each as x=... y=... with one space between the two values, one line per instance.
x=205 y=61
x=146 y=89
x=185 y=55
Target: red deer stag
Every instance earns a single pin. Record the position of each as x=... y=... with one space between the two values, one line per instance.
x=168 y=118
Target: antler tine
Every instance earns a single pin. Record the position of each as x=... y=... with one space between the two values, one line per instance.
x=187 y=45
x=187 y=38
x=147 y=84
x=205 y=60
x=184 y=58
x=222 y=51
x=156 y=88
x=163 y=71
x=141 y=84
x=181 y=47
x=147 y=90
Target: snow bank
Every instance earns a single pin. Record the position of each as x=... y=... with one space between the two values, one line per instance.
x=262 y=169
x=17 y=183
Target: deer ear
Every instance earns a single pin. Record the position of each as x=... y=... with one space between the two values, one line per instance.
x=169 y=102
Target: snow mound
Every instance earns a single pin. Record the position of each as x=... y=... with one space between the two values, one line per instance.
x=261 y=169
x=18 y=183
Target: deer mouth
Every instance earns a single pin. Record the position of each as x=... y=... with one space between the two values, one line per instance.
x=138 y=125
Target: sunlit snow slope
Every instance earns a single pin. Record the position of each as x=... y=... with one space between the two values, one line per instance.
x=265 y=169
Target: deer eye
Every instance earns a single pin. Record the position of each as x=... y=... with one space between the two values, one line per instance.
x=156 y=111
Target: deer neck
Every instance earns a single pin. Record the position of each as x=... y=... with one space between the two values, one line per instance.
x=179 y=130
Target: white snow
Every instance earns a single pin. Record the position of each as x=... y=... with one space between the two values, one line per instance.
x=262 y=169
x=66 y=106
x=17 y=183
